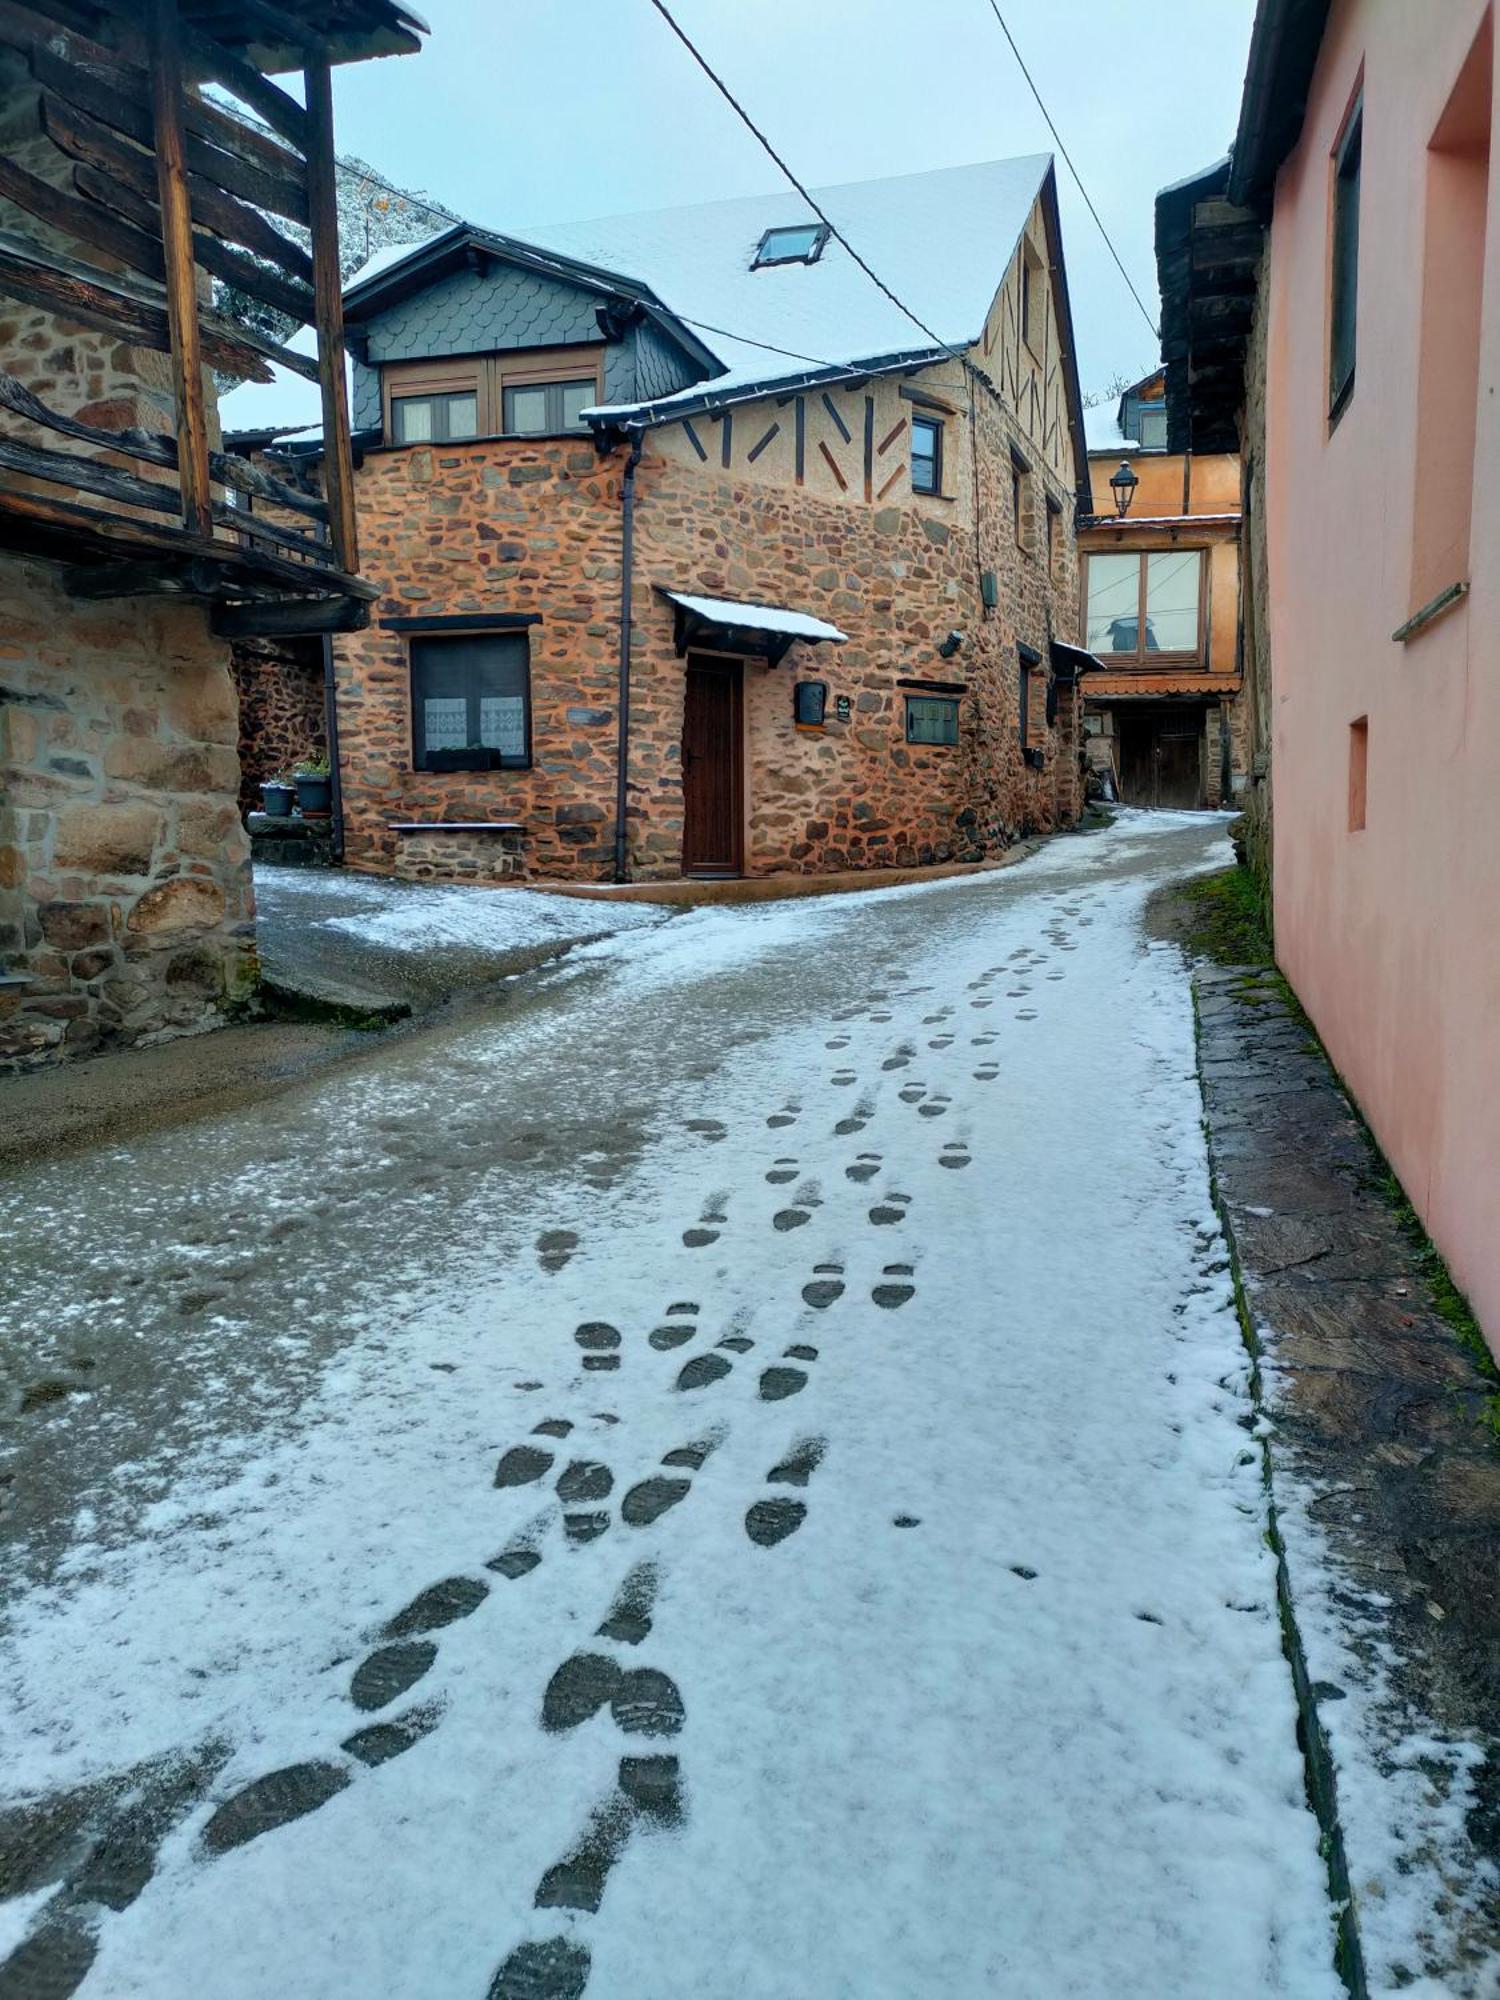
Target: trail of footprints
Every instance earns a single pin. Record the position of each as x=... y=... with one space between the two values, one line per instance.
x=642 y=1701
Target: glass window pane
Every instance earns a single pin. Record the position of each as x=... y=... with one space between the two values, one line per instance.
x=445 y=722
x=792 y=242
x=463 y=416
x=576 y=396
x=526 y=410
x=502 y=723
x=1114 y=604
x=1151 y=426
x=1172 y=601
x=413 y=419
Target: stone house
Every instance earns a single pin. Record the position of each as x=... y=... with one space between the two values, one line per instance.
x=698 y=554
x=126 y=911
x=1161 y=603
x=1328 y=306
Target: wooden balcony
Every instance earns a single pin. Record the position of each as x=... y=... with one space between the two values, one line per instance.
x=142 y=188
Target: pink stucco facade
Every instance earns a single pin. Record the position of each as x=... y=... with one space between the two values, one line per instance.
x=1390 y=931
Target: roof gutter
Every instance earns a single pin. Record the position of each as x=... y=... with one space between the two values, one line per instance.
x=614 y=425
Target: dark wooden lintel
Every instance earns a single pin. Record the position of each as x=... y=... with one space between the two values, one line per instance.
x=290 y=618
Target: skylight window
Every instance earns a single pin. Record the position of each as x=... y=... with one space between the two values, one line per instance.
x=802 y=243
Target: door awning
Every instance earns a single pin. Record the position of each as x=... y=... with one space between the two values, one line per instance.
x=1069 y=662
x=728 y=626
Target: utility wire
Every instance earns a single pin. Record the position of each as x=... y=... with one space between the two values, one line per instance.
x=1078 y=177
x=827 y=221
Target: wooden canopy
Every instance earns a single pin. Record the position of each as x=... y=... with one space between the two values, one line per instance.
x=1208 y=254
x=137 y=187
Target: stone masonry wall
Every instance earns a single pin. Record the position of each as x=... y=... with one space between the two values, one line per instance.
x=533 y=526
x=125 y=898
x=280 y=688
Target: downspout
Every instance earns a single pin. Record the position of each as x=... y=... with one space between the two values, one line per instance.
x=331 y=729
x=627 y=553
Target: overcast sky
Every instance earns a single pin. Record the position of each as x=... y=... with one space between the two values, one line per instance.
x=561 y=109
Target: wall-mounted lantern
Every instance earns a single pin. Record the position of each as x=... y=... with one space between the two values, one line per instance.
x=1123 y=484
x=809 y=702
x=950 y=645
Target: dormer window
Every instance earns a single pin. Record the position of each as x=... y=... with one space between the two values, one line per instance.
x=802 y=243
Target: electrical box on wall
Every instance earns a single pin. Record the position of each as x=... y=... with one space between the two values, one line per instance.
x=989 y=589
x=809 y=701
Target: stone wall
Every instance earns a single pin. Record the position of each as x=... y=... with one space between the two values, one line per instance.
x=280 y=688
x=533 y=527
x=125 y=897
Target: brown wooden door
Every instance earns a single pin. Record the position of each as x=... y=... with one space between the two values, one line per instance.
x=712 y=819
x=1179 y=760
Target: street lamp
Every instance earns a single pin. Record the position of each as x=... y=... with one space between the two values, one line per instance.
x=1123 y=485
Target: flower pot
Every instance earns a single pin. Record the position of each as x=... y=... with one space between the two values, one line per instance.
x=314 y=794
x=277 y=799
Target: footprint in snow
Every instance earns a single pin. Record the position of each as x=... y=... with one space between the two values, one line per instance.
x=865 y=1168
x=825 y=1286
x=896 y=1287
x=784 y=1170
x=555 y=1247
x=890 y=1209
x=599 y=1340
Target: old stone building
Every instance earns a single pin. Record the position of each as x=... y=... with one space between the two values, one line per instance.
x=1164 y=717
x=126 y=910
x=840 y=537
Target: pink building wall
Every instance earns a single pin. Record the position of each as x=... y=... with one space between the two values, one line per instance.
x=1391 y=935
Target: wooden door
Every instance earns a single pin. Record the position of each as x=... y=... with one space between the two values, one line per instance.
x=1179 y=760
x=712 y=819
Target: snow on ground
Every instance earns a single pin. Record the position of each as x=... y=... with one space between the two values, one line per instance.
x=409 y=916
x=915 y=1290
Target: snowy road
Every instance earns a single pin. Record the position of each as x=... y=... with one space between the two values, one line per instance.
x=727 y=1482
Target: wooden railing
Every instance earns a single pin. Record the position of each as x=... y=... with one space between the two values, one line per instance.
x=164 y=186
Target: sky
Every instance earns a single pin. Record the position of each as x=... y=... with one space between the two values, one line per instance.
x=566 y=109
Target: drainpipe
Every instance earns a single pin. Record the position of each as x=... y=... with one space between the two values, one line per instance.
x=331 y=729
x=627 y=552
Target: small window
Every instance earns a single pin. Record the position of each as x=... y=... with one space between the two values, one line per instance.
x=435 y=419
x=471 y=703
x=541 y=409
x=802 y=243
x=1344 y=275
x=1033 y=293
x=1054 y=535
x=931 y=719
x=1020 y=495
x=1150 y=431
x=809 y=701
x=1359 y=762
x=926 y=455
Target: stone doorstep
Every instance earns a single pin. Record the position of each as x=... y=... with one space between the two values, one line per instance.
x=1376 y=1404
x=693 y=890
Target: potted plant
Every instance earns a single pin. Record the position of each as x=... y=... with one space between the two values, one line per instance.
x=277 y=797
x=314 y=782
x=474 y=757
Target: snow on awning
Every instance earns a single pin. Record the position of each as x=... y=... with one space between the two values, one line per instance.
x=1068 y=662
x=744 y=628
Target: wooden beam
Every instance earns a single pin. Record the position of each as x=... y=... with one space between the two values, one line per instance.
x=290 y=618
x=135 y=248
x=328 y=317
x=219 y=259
x=60 y=285
x=85 y=139
x=93 y=524
x=87 y=475
x=156 y=450
x=182 y=272
x=208 y=58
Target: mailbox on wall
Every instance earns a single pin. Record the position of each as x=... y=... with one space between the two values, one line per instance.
x=809 y=702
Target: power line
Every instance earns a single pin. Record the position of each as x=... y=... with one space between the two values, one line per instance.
x=827 y=221
x=1051 y=127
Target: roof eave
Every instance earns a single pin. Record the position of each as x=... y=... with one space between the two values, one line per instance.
x=1284 y=44
x=628 y=418
x=1052 y=221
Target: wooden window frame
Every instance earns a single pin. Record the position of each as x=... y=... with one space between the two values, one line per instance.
x=1344 y=215
x=937 y=427
x=487 y=377
x=436 y=636
x=1142 y=658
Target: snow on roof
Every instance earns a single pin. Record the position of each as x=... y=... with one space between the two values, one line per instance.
x=941 y=241
x=389 y=255
x=1101 y=430
x=759 y=617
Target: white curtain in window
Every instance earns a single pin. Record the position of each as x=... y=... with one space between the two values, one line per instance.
x=445 y=722
x=502 y=723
